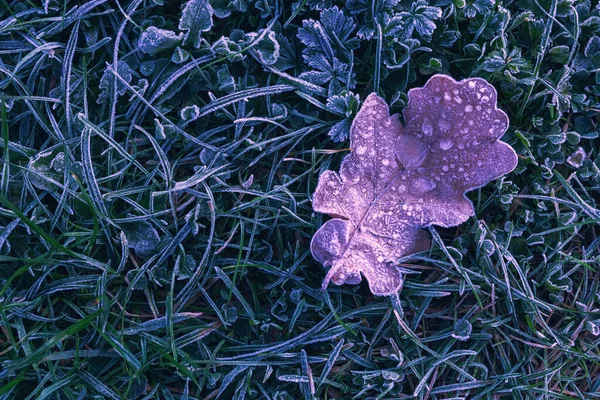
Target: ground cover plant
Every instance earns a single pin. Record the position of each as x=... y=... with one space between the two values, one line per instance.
x=158 y=162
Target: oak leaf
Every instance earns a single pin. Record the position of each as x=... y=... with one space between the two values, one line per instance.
x=399 y=179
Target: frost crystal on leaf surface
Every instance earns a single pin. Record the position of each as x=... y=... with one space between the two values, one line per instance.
x=398 y=179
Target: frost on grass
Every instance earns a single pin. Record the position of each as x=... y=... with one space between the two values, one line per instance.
x=399 y=179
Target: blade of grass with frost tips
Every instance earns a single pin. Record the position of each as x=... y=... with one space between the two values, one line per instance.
x=6 y=231
x=301 y=82
x=157 y=112
x=157 y=323
x=55 y=244
x=307 y=388
x=93 y=128
x=229 y=285
x=176 y=75
x=98 y=386
x=49 y=390
x=243 y=95
x=165 y=253
x=186 y=292
x=589 y=210
x=75 y=14
x=119 y=347
x=458 y=353
x=284 y=345
x=5 y=178
x=199 y=177
x=38 y=354
x=66 y=76
x=230 y=377
x=464 y=273
x=329 y=364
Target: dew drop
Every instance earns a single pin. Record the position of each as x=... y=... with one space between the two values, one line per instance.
x=423 y=185
x=445 y=168
x=368 y=132
x=446 y=144
x=411 y=151
x=444 y=125
x=468 y=108
x=361 y=150
x=426 y=127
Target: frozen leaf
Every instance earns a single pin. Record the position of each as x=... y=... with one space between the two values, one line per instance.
x=340 y=130
x=154 y=40
x=141 y=237
x=223 y=8
x=288 y=55
x=420 y=18
x=106 y=82
x=344 y=105
x=224 y=46
x=196 y=18
x=336 y=73
x=332 y=33
x=462 y=330
x=267 y=48
x=399 y=179
x=225 y=80
x=189 y=113
x=46 y=171
x=478 y=7
x=576 y=159
x=180 y=55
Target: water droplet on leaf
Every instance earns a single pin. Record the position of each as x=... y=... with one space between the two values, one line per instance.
x=446 y=144
x=411 y=151
x=423 y=185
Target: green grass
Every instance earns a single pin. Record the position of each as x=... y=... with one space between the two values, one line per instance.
x=155 y=213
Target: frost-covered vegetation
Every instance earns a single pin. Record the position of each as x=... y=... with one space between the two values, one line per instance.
x=158 y=159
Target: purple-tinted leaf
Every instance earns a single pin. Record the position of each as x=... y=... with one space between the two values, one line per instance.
x=399 y=179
